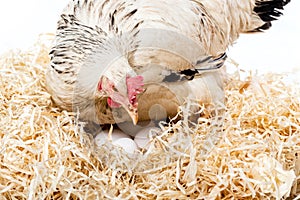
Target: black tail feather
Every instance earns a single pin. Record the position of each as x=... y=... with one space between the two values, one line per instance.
x=270 y=10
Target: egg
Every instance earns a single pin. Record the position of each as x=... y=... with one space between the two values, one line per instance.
x=142 y=138
x=103 y=136
x=118 y=138
x=127 y=144
x=130 y=129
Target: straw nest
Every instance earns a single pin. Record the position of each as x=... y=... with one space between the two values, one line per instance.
x=46 y=155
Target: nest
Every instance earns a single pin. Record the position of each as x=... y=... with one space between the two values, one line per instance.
x=251 y=150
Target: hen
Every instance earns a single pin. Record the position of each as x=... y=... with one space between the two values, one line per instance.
x=121 y=60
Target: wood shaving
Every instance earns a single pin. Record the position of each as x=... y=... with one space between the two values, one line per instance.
x=251 y=150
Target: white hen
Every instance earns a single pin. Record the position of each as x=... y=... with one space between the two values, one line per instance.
x=114 y=59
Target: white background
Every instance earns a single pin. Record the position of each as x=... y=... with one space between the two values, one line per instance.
x=276 y=50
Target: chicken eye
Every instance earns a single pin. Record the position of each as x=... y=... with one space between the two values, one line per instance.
x=114 y=89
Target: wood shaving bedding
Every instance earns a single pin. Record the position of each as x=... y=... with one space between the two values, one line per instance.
x=251 y=151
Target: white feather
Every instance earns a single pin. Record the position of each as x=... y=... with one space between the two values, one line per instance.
x=151 y=38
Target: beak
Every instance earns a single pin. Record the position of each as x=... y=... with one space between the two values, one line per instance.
x=134 y=116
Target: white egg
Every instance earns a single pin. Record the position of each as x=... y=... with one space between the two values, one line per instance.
x=142 y=138
x=130 y=129
x=103 y=136
x=127 y=144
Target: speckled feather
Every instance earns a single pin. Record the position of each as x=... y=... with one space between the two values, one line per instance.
x=194 y=33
